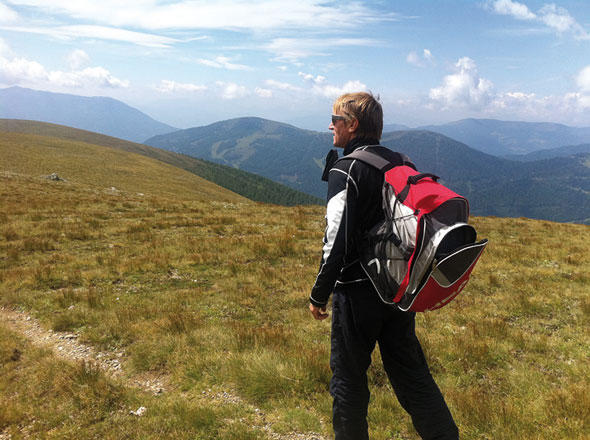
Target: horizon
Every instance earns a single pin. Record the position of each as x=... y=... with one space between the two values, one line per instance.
x=188 y=63
x=418 y=127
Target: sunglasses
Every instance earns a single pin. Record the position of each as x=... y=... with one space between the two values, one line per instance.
x=336 y=118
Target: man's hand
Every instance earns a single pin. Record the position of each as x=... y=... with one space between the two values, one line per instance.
x=318 y=313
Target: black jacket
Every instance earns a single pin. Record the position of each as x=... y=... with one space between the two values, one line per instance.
x=353 y=206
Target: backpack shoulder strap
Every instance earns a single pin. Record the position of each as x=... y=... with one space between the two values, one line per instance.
x=380 y=157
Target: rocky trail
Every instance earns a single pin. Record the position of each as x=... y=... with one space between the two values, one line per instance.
x=66 y=346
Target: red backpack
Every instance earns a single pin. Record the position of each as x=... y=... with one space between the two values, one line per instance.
x=421 y=255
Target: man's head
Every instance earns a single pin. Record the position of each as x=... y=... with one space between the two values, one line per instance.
x=356 y=115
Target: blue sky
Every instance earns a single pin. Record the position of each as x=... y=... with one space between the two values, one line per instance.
x=191 y=62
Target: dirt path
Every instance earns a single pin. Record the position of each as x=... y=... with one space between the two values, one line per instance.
x=66 y=346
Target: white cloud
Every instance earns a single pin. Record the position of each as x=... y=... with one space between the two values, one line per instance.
x=414 y=59
x=552 y=16
x=466 y=94
x=583 y=79
x=420 y=61
x=561 y=20
x=294 y=49
x=5 y=50
x=97 y=32
x=319 y=79
x=465 y=88
x=222 y=62
x=579 y=101
x=330 y=91
x=231 y=90
x=263 y=93
x=85 y=78
x=320 y=86
x=7 y=15
x=515 y=9
x=77 y=58
x=281 y=85
x=21 y=71
x=219 y=14
x=167 y=86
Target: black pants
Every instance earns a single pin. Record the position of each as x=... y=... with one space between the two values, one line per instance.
x=359 y=320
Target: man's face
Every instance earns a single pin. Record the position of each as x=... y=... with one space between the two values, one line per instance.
x=342 y=130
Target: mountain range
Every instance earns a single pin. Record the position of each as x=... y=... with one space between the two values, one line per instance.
x=281 y=152
x=555 y=189
x=502 y=138
x=568 y=150
x=98 y=114
x=511 y=139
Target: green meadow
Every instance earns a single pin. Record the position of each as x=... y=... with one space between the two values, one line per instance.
x=208 y=292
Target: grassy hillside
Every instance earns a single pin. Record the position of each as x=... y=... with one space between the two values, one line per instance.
x=249 y=185
x=103 y=168
x=211 y=298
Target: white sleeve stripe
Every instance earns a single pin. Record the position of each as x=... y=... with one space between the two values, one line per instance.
x=334 y=214
x=348 y=176
x=334 y=211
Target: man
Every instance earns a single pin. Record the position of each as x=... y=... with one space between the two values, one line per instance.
x=359 y=318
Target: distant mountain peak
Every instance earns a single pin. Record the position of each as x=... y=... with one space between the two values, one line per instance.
x=504 y=138
x=99 y=114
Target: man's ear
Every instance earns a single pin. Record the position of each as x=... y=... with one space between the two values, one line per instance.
x=354 y=124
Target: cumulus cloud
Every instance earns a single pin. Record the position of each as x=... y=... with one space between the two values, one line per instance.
x=556 y=18
x=222 y=62
x=167 y=86
x=21 y=71
x=77 y=59
x=318 y=79
x=263 y=93
x=464 y=93
x=88 y=77
x=320 y=86
x=464 y=88
x=230 y=90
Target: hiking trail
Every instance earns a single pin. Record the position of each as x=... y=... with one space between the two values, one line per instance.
x=66 y=346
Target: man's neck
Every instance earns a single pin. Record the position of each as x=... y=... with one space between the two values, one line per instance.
x=356 y=142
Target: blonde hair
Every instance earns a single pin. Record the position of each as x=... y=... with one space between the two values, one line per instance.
x=366 y=109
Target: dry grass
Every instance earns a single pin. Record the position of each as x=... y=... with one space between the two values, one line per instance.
x=214 y=295
x=104 y=168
